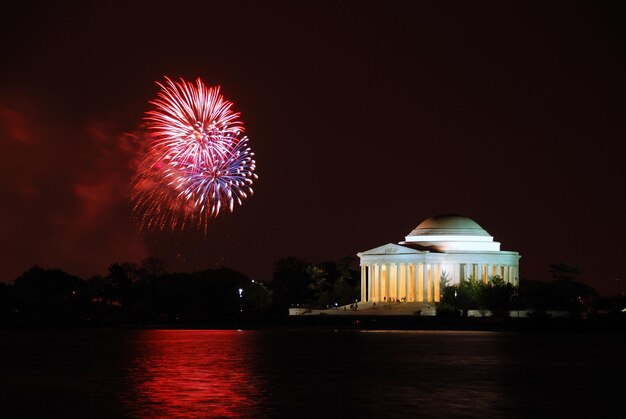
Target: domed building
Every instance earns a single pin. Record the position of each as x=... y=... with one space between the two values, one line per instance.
x=445 y=248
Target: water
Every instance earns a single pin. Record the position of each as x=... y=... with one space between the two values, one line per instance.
x=311 y=373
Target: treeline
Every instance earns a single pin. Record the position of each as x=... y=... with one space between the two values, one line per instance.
x=499 y=298
x=562 y=294
x=146 y=293
x=315 y=285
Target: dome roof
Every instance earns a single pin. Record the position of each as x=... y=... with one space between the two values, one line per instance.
x=448 y=224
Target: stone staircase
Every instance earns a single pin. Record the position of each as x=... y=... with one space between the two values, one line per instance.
x=377 y=309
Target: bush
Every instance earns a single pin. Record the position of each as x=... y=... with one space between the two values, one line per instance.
x=447 y=310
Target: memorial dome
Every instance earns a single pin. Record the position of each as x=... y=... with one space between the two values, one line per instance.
x=448 y=224
x=451 y=232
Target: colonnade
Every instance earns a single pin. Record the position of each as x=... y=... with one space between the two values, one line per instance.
x=485 y=271
x=421 y=282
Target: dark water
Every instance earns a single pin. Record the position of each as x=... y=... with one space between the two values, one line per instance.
x=304 y=373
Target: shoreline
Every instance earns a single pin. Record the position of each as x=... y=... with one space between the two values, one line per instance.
x=416 y=323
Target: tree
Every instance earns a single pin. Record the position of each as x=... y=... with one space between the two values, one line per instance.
x=463 y=296
x=347 y=288
x=563 y=272
x=321 y=284
x=334 y=282
x=468 y=295
x=50 y=296
x=346 y=267
x=256 y=297
x=535 y=295
x=121 y=279
x=497 y=297
x=569 y=295
x=152 y=267
x=343 y=292
x=290 y=283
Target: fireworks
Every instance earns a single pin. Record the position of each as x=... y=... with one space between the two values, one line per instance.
x=198 y=162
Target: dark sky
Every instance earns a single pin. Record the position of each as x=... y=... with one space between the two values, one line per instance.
x=366 y=118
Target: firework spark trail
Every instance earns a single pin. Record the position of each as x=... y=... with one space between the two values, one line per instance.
x=198 y=162
x=189 y=118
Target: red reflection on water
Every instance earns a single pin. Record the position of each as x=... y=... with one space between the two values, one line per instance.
x=183 y=373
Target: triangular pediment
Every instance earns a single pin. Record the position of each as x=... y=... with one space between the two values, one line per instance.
x=390 y=249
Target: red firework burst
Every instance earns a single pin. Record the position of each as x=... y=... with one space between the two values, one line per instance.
x=198 y=161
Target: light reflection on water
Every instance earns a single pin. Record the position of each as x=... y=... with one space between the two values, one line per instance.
x=310 y=373
x=182 y=373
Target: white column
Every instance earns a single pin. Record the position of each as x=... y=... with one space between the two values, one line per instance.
x=411 y=282
x=407 y=282
x=427 y=290
x=401 y=280
x=363 y=282
x=378 y=283
x=387 y=280
x=392 y=281
x=373 y=283
x=419 y=281
x=396 y=271
x=436 y=282
x=369 y=282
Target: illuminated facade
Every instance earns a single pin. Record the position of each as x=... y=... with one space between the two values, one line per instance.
x=445 y=247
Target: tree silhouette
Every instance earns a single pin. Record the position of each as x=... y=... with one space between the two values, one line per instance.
x=151 y=268
x=496 y=296
x=563 y=271
x=49 y=296
x=290 y=283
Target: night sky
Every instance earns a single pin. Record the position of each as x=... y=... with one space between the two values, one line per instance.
x=366 y=118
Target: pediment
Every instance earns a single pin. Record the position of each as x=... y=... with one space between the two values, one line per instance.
x=390 y=249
